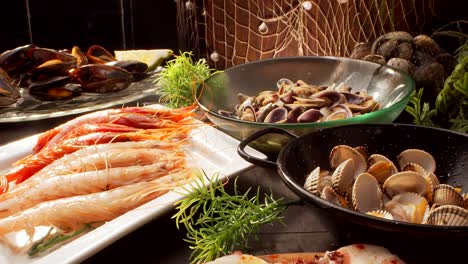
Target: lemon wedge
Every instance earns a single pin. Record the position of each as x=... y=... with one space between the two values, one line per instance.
x=153 y=57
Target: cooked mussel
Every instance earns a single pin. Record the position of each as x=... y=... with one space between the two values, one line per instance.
x=136 y=68
x=99 y=55
x=9 y=93
x=101 y=78
x=57 y=88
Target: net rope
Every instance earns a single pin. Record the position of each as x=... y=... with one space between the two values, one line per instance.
x=231 y=32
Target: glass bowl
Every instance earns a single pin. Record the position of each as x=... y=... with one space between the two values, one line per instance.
x=388 y=86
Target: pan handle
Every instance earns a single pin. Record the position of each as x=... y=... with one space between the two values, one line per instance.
x=254 y=160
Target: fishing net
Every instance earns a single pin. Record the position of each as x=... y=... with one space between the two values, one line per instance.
x=231 y=32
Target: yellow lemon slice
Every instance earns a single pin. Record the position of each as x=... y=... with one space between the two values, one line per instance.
x=153 y=58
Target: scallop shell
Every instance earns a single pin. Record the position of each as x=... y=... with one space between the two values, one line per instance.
x=363 y=151
x=343 y=176
x=366 y=194
x=409 y=207
x=381 y=170
x=330 y=195
x=433 y=179
x=312 y=180
x=420 y=157
x=447 y=195
x=381 y=213
x=341 y=153
x=406 y=181
x=374 y=158
x=414 y=167
x=448 y=215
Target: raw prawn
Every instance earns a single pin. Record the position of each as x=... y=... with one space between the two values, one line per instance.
x=71 y=213
x=138 y=117
x=26 y=167
x=84 y=183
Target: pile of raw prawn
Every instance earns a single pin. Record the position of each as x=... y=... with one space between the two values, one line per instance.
x=96 y=167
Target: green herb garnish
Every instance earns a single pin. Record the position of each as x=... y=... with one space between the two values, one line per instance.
x=51 y=240
x=179 y=78
x=421 y=114
x=218 y=223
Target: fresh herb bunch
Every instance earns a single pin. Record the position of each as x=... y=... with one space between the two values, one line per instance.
x=421 y=114
x=179 y=78
x=218 y=223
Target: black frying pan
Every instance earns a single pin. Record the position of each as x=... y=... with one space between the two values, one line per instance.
x=303 y=154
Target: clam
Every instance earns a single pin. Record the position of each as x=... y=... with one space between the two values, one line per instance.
x=330 y=195
x=311 y=115
x=287 y=97
x=352 y=98
x=248 y=114
x=263 y=112
x=341 y=153
x=381 y=213
x=365 y=107
x=448 y=215
x=294 y=114
x=381 y=170
x=406 y=181
x=414 y=167
x=409 y=207
x=312 y=181
x=420 y=157
x=343 y=176
x=277 y=115
x=447 y=195
x=332 y=98
x=312 y=102
x=363 y=151
x=433 y=179
x=366 y=194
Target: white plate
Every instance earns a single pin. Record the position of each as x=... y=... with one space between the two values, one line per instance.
x=210 y=150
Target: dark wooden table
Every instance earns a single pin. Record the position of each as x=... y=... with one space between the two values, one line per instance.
x=159 y=241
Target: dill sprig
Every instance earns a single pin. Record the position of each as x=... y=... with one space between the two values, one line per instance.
x=179 y=78
x=421 y=114
x=218 y=223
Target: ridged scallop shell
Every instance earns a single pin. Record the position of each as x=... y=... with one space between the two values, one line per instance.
x=447 y=195
x=381 y=213
x=316 y=180
x=363 y=151
x=465 y=199
x=448 y=215
x=374 y=158
x=406 y=181
x=341 y=153
x=366 y=194
x=330 y=195
x=414 y=167
x=343 y=176
x=409 y=207
x=381 y=170
x=421 y=157
x=433 y=179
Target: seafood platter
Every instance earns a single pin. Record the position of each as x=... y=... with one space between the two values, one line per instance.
x=76 y=179
x=38 y=83
x=370 y=186
x=301 y=95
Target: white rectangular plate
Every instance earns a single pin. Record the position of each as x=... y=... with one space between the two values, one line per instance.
x=210 y=150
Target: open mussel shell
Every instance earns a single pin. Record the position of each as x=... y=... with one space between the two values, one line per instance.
x=420 y=157
x=447 y=195
x=99 y=55
x=366 y=194
x=406 y=181
x=136 y=68
x=448 y=215
x=58 y=88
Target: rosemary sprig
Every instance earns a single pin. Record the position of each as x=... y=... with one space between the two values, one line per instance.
x=422 y=114
x=52 y=240
x=218 y=223
x=179 y=78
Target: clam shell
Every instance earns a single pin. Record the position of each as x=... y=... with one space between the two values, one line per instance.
x=341 y=153
x=381 y=170
x=277 y=115
x=433 y=179
x=414 y=167
x=343 y=176
x=465 y=199
x=374 y=158
x=381 y=213
x=421 y=157
x=248 y=114
x=312 y=180
x=406 y=181
x=408 y=207
x=311 y=115
x=448 y=215
x=366 y=194
x=447 y=195
x=363 y=151
x=330 y=195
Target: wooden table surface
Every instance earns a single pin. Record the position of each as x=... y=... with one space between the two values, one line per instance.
x=159 y=241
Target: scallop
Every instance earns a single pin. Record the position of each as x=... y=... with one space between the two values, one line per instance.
x=366 y=194
x=330 y=195
x=447 y=195
x=317 y=180
x=381 y=170
x=420 y=157
x=381 y=213
x=343 y=176
x=363 y=151
x=448 y=215
x=406 y=181
x=414 y=167
x=341 y=153
x=409 y=207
